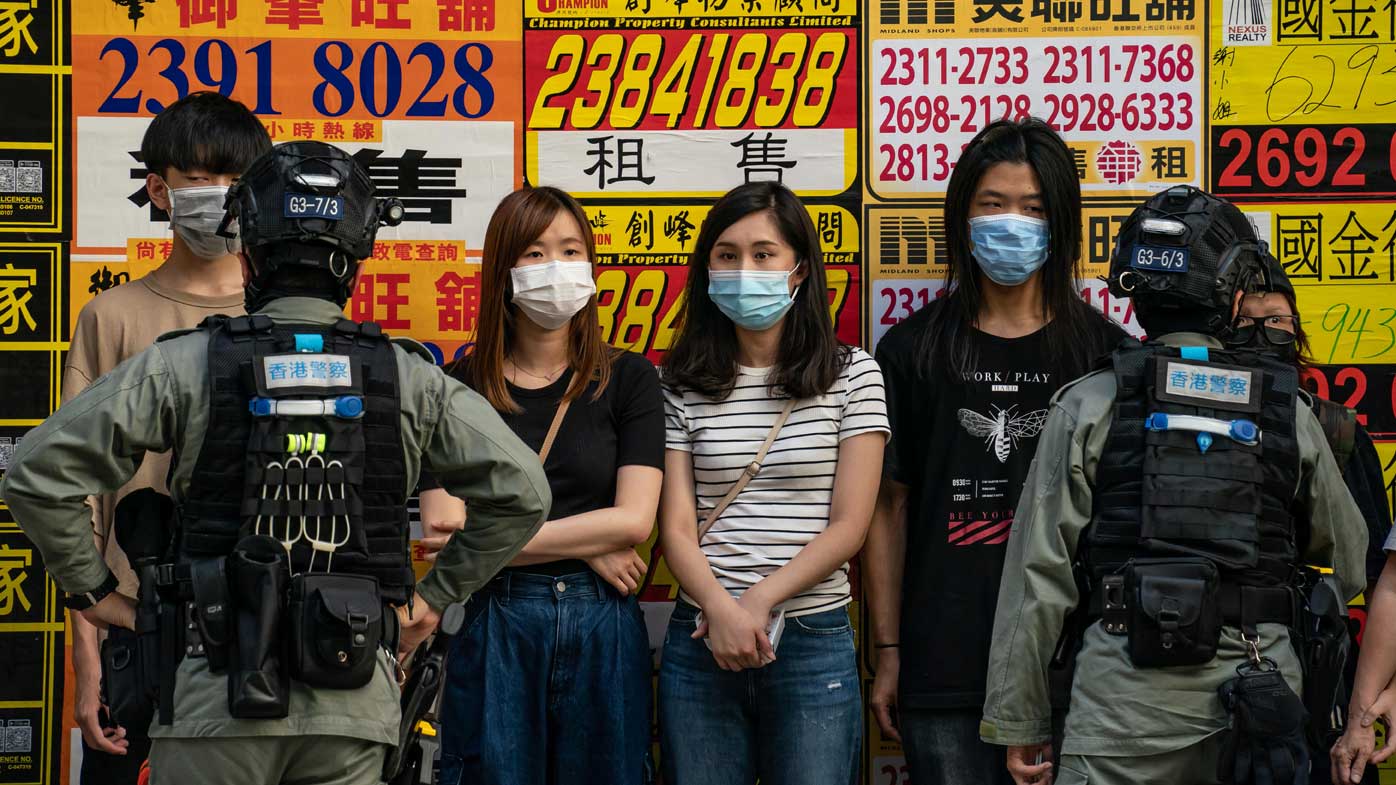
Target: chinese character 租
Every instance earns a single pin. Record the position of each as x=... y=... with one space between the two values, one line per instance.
x=425 y=185
x=458 y=302
x=15 y=297
x=1168 y=163
x=629 y=164
x=13 y=562
x=763 y=159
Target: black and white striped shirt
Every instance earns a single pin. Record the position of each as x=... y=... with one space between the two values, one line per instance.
x=787 y=504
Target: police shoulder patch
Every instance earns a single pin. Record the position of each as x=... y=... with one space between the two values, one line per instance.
x=413 y=347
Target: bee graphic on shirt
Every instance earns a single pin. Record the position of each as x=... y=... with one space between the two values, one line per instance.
x=1002 y=429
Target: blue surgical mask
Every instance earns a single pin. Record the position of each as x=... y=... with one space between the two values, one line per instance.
x=754 y=299
x=1009 y=247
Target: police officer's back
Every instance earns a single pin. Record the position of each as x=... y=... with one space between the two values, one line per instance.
x=1163 y=502
x=298 y=436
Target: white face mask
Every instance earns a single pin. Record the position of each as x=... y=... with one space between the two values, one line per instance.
x=551 y=294
x=195 y=214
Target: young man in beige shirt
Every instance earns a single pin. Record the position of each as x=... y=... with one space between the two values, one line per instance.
x=194 y=150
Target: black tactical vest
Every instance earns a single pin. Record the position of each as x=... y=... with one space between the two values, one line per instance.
x=1159 y=493
x=249 y=452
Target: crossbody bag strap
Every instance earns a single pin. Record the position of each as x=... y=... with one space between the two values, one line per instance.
x=751 y=470
x=552 y=431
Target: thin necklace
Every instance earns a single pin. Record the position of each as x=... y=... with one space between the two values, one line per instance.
x=545 y=377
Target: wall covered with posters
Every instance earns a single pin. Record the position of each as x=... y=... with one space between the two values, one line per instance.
x=647 y=110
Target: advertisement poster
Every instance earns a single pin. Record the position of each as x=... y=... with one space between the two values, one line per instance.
x=647 y=111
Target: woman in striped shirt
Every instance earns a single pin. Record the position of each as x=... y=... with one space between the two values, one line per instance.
x=762 y=682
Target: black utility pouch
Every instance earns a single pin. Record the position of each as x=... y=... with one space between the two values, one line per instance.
x=336 y=629
x=1175 y=613
x=127 y=693
x=259 y=686
x=213 y=612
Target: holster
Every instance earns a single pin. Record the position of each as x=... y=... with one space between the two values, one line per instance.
x=336 y=629
x=1324 y=646
x=1175 y=614
x=127 y=690
x=259 y=685
x=409 y=762
x=131 y=659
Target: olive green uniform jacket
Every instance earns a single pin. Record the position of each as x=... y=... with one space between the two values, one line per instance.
x=159 y=399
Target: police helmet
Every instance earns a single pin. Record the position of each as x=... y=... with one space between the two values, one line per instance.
x=305 y=205
x=1182 y=256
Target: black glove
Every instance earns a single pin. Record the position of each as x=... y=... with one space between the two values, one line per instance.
x=1265 y=744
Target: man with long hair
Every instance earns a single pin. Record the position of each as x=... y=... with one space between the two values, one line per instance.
x=968 y=381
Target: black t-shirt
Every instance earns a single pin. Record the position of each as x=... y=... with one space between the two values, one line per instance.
x=623 y=427
x=963 y=450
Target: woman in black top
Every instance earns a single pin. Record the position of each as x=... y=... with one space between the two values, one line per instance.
x=550 y=681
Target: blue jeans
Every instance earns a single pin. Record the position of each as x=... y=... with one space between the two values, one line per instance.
x=548 y=683
x=943 y=748
x=797 y=721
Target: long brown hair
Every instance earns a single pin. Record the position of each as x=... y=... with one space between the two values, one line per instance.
x=519 y=220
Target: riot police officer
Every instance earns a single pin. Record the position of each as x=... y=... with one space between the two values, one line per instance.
x=297 y=437
x=1162 y=508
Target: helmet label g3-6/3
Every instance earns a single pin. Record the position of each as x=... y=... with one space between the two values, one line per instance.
x=1162 y=259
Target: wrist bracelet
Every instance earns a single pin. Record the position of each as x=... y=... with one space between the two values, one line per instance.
x=887 y=645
